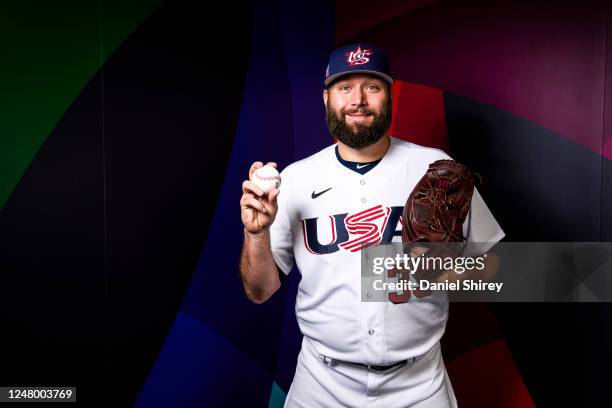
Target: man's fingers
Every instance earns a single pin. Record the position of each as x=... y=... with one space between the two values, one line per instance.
x=249 y=187
x=251 y=202
x=254 y=167
x=245 y=197
x=416 y=250
x=271 y=208
x=272 y=197
x=273 y=164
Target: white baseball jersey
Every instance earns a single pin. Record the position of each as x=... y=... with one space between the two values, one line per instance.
x=325 y=212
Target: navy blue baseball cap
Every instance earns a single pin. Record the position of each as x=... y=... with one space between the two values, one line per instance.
x=358 y=58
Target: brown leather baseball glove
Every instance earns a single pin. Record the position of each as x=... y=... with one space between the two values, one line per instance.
x=437 y=207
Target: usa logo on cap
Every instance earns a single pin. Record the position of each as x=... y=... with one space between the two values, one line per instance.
x=358 y=56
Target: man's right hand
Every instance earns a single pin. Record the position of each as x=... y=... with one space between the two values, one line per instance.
x=257 y=209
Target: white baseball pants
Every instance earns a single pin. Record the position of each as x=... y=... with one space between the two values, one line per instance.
x=324 y=383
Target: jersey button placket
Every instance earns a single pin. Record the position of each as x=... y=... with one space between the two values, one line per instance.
x=363 y=199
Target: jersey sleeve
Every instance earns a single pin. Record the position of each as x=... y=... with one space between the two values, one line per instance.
x=480 y=227
x=280 y=234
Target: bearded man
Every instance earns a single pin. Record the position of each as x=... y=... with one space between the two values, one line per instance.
x=355 y=352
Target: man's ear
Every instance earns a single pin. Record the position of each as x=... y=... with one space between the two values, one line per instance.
x=325 y=96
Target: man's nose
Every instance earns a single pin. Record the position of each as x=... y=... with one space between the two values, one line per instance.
x=358 y=97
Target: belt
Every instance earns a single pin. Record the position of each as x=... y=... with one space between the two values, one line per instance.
x=370 y=367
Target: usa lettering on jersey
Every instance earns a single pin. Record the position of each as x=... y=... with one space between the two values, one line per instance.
x=349 y=232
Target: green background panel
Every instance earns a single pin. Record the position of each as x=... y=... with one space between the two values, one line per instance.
x=50 y=50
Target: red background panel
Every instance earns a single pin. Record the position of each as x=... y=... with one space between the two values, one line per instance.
x=418 y=115
x=487 y=377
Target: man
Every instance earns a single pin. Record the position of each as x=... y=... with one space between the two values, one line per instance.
x=354 y=353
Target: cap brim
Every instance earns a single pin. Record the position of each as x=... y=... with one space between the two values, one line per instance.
x=332 y=78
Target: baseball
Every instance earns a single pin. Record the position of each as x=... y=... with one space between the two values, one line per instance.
x=266 y=178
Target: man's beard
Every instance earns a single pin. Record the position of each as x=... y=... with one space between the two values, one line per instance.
x=358 y=135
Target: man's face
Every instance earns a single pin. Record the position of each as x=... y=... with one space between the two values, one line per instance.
x=358 y=109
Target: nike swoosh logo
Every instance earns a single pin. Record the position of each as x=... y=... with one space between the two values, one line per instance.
x=361 y=166
x=315 y=195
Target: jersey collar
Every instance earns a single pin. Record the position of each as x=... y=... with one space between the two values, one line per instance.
x=358 y=167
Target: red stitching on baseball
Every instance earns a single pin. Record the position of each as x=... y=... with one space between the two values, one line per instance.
x=267 y=178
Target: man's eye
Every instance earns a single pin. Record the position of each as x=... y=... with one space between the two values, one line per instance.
x=373 y=87
x=344 y=88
